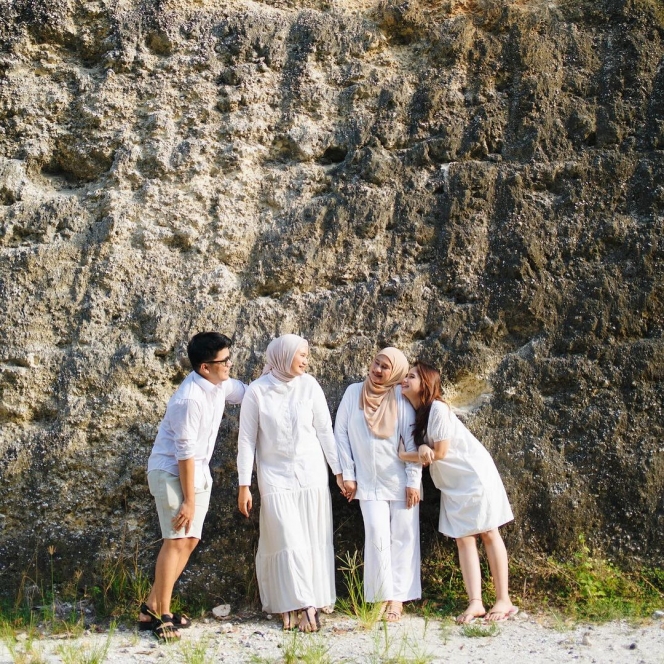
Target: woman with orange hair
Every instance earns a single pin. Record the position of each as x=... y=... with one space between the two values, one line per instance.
x=472 y=496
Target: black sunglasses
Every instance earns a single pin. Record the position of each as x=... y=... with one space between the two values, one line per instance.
x=224 y=361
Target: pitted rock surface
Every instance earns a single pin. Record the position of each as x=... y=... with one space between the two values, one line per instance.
x=478 y=183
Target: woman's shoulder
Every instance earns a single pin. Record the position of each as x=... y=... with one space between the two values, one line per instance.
x=307 y=383
x=440 y=412
x=439 y=408
x=259 y=382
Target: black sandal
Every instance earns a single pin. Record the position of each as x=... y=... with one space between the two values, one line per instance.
x=150 y=625
x=289 y=620
x=311 y=623
x=166 y=630
x=178 y=618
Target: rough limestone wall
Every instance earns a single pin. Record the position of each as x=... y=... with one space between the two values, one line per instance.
x=478 y=183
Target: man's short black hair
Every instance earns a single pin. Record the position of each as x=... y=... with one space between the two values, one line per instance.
x=204 y=346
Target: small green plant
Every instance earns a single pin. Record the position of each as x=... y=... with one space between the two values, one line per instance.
x=589 y=587
x=298 y=648
x=93 y=653
x=123 y=585
x=194 y=652
x=388 y=649
x=474 y=630
x=367 y=613
x=21 y=651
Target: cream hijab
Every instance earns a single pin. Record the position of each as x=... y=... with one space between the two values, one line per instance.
x=379 y=402
x=280 y=353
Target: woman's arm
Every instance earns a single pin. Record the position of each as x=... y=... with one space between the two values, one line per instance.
x=345 y=452
x=440 y=449
x=322 y=423
x=423 y=455
x=246 y=449
x=343 y=441
x=406 y=424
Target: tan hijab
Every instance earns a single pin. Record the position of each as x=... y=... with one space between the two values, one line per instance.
x=379 y=402
x=280 y=353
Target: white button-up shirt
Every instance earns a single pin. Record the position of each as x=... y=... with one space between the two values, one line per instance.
x=288 y=428
x=374 y=462
x=190 y=426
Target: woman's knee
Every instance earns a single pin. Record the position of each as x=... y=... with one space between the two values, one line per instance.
x=469 y=542
x=490 y=537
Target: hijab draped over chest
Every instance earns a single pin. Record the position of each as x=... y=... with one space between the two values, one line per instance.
x=280 y=354
x=379 y=402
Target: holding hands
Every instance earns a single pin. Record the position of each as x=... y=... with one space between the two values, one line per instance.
x=425 y=455
x=412 y=497
x=349 y=490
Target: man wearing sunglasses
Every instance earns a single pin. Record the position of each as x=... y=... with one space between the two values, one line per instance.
x=179 y=471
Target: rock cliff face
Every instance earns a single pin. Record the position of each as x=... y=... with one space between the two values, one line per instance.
x=478 y=182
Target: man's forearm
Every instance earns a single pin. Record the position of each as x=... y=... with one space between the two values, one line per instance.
x=187 y=471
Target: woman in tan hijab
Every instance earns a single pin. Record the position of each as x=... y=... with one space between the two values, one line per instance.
x=285 y=425
x=372 y=418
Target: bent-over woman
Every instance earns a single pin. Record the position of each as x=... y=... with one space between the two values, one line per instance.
x=285 y=423
x=372 y=418
x=472 y=496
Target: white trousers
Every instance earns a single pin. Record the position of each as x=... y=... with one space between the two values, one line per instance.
x=391 y=550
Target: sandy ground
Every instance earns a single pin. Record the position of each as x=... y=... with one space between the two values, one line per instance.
x=416 y=639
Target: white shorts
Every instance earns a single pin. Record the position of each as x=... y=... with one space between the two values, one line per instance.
x=168 y=496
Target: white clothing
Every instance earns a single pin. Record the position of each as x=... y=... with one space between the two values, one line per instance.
x=391 y=531
x=288 y=428
x=392 y=561
x=374 y=462
x=472 y=496
x=190 y=426
x=295 y=557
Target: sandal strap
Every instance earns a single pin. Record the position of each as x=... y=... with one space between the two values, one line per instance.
x=147 y=611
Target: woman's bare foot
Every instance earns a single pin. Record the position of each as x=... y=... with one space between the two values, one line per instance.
x=394 y=611
x=309 y=620
x=290 y=620
x=474 y=610
x=501 y=610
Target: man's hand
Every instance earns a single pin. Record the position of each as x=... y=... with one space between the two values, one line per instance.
x=350 y=488
x=412 y=497
x=185 y=517
x=425 y=454
x=244 y=500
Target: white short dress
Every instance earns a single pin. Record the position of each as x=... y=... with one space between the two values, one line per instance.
x=472 y=496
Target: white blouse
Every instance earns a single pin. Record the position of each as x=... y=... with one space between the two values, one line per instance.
x=374 y=462
x=190 y=426
x=288 y=428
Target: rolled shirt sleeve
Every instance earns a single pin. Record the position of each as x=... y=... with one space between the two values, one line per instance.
x=342 y=439
x=186 y=424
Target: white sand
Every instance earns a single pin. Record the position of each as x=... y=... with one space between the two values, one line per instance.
x=524 y=639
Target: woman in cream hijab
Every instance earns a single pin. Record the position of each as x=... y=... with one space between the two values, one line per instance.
x=372 y=418
x=285 y=424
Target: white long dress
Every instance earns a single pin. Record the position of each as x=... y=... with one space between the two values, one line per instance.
x=472 y=496
x=287 y=427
